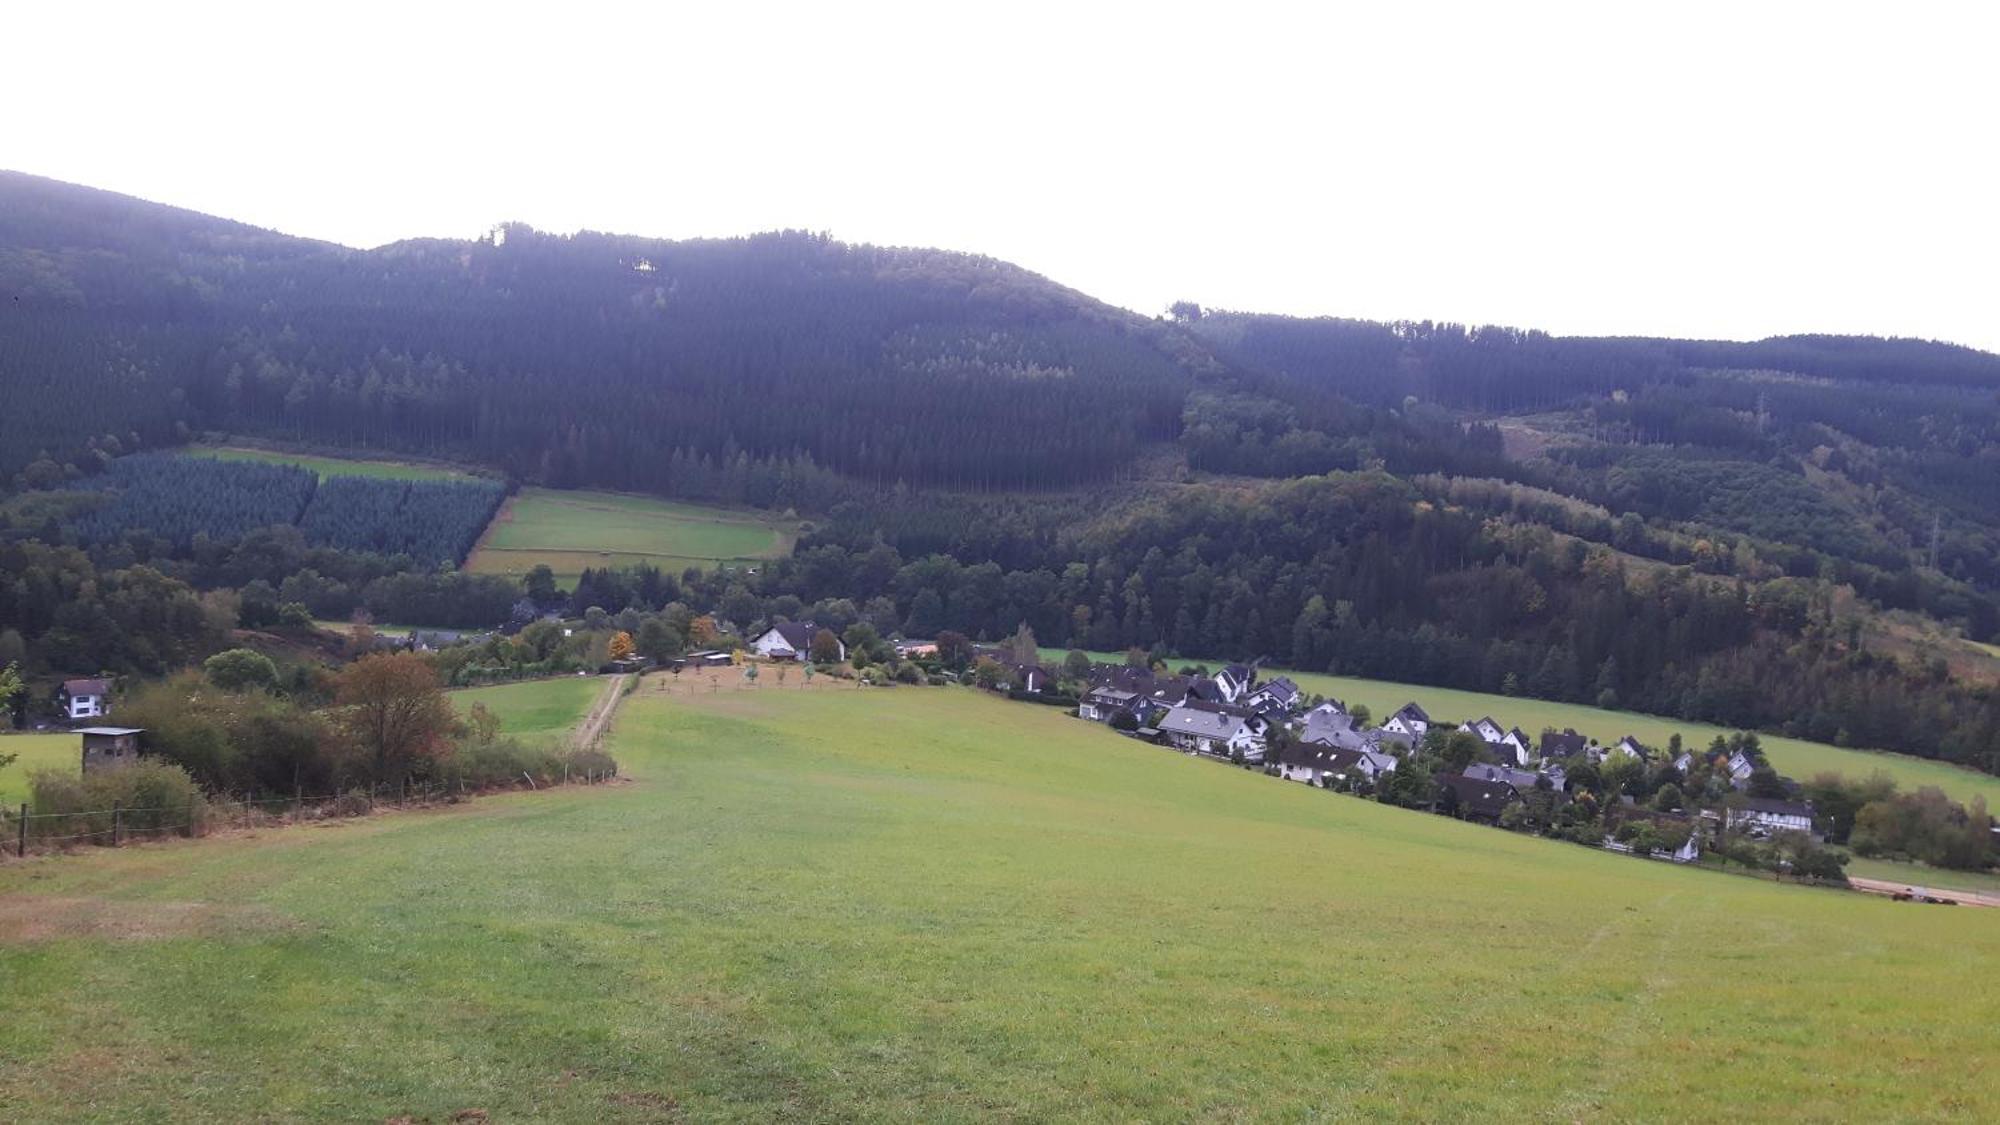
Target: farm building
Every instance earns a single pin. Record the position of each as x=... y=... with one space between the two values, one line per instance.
x=1762 y=815
x=105 y=747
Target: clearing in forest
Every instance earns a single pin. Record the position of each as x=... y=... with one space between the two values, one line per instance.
x=571 y=530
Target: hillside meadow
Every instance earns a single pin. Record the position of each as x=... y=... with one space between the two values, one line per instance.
x=929 y=905
x=535 y=710
x=63 y=752
x=571 y=530
x=1793 y=757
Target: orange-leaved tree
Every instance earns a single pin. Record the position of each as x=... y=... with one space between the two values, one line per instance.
x=394 y=708
x=621 y=646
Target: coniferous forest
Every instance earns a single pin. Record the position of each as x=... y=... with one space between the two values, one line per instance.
x=1698 y=528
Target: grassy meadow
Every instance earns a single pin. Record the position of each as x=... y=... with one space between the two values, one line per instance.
x=571 y=530
x=535 y=710
x=63 y=752
x=1794 y=757
x=929 y=905
x=333 y=466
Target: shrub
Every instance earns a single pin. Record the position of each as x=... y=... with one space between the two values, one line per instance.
x=240 y=668
x=156 y=798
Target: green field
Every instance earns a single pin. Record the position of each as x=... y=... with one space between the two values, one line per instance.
x=928 y=905
x=1790 y=756
x=569 y=531
x=535 y=710
x=334 y=466
x=1922 y=875
x=62 y=752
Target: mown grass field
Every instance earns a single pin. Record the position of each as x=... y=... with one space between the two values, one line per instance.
x=1791 y=756
x=334 y=466
x=535 y=710
x=62 y=752
x=928 y=905
x=569 y=531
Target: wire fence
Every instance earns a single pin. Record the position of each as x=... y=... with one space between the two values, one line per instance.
x=23 y=830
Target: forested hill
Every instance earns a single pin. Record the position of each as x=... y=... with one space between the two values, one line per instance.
x=570 y=360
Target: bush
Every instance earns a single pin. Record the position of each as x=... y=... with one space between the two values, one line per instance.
x=240 y=668
x=157 y=798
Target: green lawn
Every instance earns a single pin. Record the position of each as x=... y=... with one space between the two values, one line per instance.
x=334 y=466
x=928 y=905
x=572 y=530
x=1922 y=875
x=62 y=752
x=1791 y=756
x=534 y=710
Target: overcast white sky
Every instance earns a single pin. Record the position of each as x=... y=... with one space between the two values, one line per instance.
x=1716 y=170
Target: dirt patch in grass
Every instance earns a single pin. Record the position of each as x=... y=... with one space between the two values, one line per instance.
x=31 y=919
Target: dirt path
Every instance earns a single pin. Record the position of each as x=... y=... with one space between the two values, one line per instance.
x=1967 y=898
x=592 y=728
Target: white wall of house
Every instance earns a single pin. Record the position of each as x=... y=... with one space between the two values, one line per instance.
x=772 y=646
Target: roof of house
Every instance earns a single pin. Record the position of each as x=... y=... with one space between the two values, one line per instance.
x=1333 y=731
x=1774 y=806
x=111 y=732
x=1519 y=779
x=1485 y=798
x=798 y=634
x=1410 y=710
x=1310 y=755
x=1241 y=673
x=1203 y=722
x=1281 y=689
x=1380 y=736
x=87 y=687
x=1111 y=695
x=1563 y=744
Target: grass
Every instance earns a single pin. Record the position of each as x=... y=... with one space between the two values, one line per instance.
x=569 y=531
x=926 y=905
x=1794 y=757
x=63 y=752
x=334 y=466
x=1923 y=875
x=535 y=710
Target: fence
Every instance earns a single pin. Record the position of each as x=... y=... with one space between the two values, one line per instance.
x=22 y=831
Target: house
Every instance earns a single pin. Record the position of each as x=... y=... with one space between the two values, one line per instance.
x=1326 y=727
x=1629 y=747
x=791 y=640
x=1386 y=740
x=84 y=699
x=1032 y=678
x=1101 y=705
x=1275 y=698
x=1234 y=682
x=1326 y=765
x=106 y=747
x=1516 y=745
x=1488 y=731
x=1409 y=719
x=1761 y=816
x=1201 y=731
x=1567 y=744
x=1741 y=766
x=1522 y=780
x=1479 y=799
x=1684 y=763
x=909 y=650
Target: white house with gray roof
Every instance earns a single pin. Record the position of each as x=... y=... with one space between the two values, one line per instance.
x=1211 y=732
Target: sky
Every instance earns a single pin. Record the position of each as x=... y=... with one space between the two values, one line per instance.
x=1691 y=169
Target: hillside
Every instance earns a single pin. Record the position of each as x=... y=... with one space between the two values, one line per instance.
x=1724 y=532
x=927 y=905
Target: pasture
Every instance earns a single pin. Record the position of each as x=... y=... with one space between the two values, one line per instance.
x=1791 y=756
x=61 y=752
x=333 y=466
x=535 y=710
x=928 y=905
x=569 y=531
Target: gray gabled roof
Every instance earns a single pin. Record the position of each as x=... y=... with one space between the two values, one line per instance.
x=1207 y=724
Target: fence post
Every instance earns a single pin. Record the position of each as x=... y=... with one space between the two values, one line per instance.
x=298 y=801
x=21 y=846
x=190 y=824
x=117 y=822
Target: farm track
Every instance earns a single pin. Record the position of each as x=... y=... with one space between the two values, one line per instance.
x=592 y=728
x=1965 y=898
